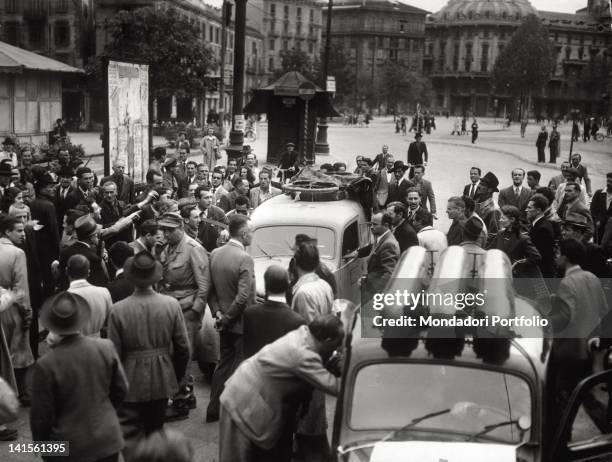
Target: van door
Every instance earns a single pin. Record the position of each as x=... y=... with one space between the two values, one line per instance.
x=350 y=268
x=585 y=432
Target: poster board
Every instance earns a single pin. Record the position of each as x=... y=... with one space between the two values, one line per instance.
x=128 y=117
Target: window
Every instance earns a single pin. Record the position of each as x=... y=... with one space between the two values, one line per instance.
x=299 y=14
x=217 y=35
x=11 y=6
x=271 y=64
x=484 y=61
x=311 y=15
x=253 y=48
x=310 y=47
x=402 y=26
x=11 y=33
x=468 y=57
x=61 y=6
x=350 y=239
x=285 y=44
x=456 y=58
x=286 y=28
x=298 y=45
x=36 y=35
x=211 y=32
x=580 y=52
x=298 y=28
x=272 y=44
x=393 y=55
x=272 y=9
x=568 y=52
x=62 y=34
x=393 y=42
x=286 y=11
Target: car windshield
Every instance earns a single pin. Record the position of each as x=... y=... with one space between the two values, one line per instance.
x=277 y=241
x=440 y=398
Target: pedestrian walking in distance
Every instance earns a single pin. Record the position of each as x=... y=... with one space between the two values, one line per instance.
x=541 y=144
x=474 y=131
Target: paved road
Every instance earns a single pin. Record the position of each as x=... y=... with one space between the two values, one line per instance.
x=448 y=169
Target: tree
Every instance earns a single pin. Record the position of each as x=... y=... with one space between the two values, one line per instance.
x=341 y=70
x=179 y=60
x=296 y=60
x=402 y=87
x=525 y=65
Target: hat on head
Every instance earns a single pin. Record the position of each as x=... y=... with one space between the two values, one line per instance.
x=8 y=141
x=5 y=169
x=491 y=181
x=399 y=165
x=142 y=269
x=65 y=172
x=290 y=144
x=472 y=228
x=576 y=219
x=44 y=180
x=301 y=239
x=65 y=313
x=170 y=220
x=170 y=161
x=86 y=226
x=418 y=135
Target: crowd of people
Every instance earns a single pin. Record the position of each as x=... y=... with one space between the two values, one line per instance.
x=104 y=290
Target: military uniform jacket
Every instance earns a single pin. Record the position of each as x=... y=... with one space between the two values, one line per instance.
x=186 y=274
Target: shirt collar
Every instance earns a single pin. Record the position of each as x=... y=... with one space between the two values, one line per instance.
x=572 y=269
x=382 y=236
x=78 y=282
x=118 y=272
x=277 y=298
x=236 y=242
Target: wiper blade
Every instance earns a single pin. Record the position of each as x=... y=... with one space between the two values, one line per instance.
x=264 y=252
x=489 y=428
x=414 y=422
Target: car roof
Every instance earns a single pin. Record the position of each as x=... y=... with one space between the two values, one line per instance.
x=283 y=210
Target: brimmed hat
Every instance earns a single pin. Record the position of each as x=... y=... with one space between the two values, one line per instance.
x=472 y=228
x=290 y=144
x=65 y=313
x=5 y=169
x=170 y=220
x=301 y=239
x=86 y=226
x=44 y=180
x=170 y=161
x=8 y=141
x=65 y=172
x=399 y=165
x=142 y=269
x=491 y=181
x=418 y=135
x=577 y=220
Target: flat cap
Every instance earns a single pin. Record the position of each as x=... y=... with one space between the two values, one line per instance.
x=170 y=220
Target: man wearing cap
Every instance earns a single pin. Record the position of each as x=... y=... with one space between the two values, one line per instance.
x=125 y=185
x=77 y=385
x=486 y=208
x=43 y=210
x=417 y=153
x=172 y=180
x=63 y=190
x=186 y=277
x=400 y=184
x=472 y=228
x=88 y=240
x=288 y=161
x=233 y=289
x=148 y=330
x=210 y=149
x=576 y=226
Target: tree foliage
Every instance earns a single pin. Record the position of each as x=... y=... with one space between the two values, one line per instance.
x=402 y=88
x=296 y=60
x=341 y=70
x=525 y=65
x=179 y=59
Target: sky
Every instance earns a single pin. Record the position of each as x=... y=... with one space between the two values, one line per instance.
x=563 y=6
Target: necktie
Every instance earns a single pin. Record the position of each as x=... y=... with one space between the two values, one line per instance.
x=517 y=192
x=472 y=191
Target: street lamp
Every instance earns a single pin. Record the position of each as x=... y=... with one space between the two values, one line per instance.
x=236 y=137
x=321 y=144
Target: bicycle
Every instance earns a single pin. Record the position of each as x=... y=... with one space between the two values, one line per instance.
x=250 y=135
x=601 y=136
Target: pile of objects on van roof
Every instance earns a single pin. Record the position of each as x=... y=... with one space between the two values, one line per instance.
x=317 y=186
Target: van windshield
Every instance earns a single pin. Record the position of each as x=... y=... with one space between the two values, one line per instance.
x=277 y=241
x=440 y=398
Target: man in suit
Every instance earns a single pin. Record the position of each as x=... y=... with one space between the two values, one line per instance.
x=417 y=153
x=233 y=289
x=146 y=240
x=571 y=203
x=455 y=209
x=99 y=298
x=273 y=383
x=172 y=180
x=212 y=218
x=43 y=210
x=485 y=205
x=583 y=173
x=191 y=176
x=270 y=320
x=241 y=188
x=85 y=188
x=111 y=211
x=402 y=230
x=541 y=144
x=575 y=226
x=264 y=191
x=88 y=239
x=533 y=180
x=542 y=233
x=425 y=189
x=516 y=195
x=413 y=201
x=383 y=255
x=571 y=176
x=125 y=185
x=64 y=189
x=120 y=287
x=380 y=161
x=148 y=331
x=601 y=208
x=85 y=375
x=219 y=192
x=470 y=189
x=383 y=179
x=400 y=184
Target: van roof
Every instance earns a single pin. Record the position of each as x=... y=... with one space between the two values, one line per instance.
x=283 y=210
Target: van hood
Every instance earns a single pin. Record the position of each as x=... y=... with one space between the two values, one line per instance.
x=428 y=451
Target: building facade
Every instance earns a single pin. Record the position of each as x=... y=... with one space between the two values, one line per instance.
x=285 y=25
x=465 y=38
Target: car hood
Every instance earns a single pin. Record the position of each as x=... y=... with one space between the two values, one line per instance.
x=428 y=451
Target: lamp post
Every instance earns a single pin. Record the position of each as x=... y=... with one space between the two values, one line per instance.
x=236 y=137
x=321 y=144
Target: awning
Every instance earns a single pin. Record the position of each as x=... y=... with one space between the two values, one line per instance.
x=16 y=60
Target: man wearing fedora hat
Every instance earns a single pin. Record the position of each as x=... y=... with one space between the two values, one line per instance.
x=85 y=376
x=417 y=153
x=288 y=160
x=88 y=240
x=186 y=277
x=400 y=184
x=486 y=208
x=148 y=330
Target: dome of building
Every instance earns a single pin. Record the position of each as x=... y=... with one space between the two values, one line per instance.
x=484 y=11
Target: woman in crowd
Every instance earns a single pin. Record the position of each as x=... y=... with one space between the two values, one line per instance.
x=516 y=244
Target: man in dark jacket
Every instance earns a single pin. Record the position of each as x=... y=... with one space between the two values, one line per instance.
x=541 y=144
x=212 y=218
x=268 y=321
x=456 y=212
x=402 y=230
x=417 y=153
x=601 y=208
x=120 y=287
x=542 y=233
x=125 y=185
